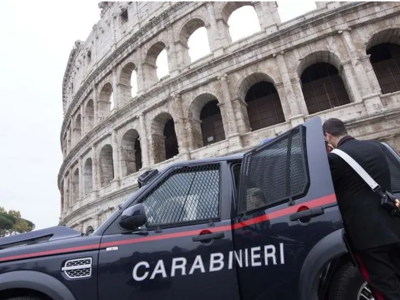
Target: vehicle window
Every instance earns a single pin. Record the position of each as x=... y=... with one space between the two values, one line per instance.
x=188 y=194
x=274 y=172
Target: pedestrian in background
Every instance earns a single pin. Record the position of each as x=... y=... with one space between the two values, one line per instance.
x=373 y=233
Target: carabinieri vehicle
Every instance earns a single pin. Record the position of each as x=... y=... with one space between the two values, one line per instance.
x=259 y=225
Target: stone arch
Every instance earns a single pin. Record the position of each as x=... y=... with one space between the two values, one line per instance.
x=106 y=101
x=106 y=165
x=165 y=142
x=131 y=154
x=321 y=81
x=264 y=106
x=75 y=186
x=384 y=51
x=150 y=64
x=237 y=7
x=128 y=82
x=78 y=129
x=89 y=115
x=88 y=176
x=207 y=120
x=190 y=28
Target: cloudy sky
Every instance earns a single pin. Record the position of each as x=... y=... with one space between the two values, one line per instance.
x=36 y=39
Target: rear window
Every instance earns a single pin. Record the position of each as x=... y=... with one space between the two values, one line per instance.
x=275 y=172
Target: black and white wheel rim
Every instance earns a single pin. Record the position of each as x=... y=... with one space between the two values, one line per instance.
x=365 y=293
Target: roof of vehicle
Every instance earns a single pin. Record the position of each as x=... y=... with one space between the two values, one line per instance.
x=236 y=156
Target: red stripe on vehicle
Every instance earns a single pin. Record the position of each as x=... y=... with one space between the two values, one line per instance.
x=269 y=216
x=50 y=252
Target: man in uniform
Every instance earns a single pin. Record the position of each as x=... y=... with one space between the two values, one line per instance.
x=373 y=233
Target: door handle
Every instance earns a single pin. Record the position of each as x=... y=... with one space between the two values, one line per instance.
x=208 y=236
x=307 y=214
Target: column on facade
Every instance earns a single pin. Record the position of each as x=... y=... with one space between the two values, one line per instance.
x=141 y=77
x=214 y=37
x=115 y=90
x=83 y=118
x=230 y=115
x=175 y=53
x=370 y=73
x=116 y=158
x=295 y=112
x=96 y=118
x=180 y=125
x=347 y=76
x=242 y=117
x=66 y=194
x=268 y=16
x=232 y=133
x=81 y=177
x=144 y=142
x=96 y=170
x=372 y=101
x=113 y=27
x=95 y=38
x=284 y=101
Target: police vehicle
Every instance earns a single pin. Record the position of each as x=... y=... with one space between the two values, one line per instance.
x=259 y=225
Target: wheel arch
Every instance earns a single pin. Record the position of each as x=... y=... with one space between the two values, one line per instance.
x=36 y=282
x=322 y=260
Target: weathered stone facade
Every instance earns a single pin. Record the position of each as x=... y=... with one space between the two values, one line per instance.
x=109 y=137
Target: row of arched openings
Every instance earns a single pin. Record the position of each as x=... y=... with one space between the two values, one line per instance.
x=322 y=87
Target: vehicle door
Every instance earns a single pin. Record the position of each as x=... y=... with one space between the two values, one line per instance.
x=285 y=206
x=180 y=252
x=393 y=160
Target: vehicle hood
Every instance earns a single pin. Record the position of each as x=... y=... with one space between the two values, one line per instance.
x=49 y=241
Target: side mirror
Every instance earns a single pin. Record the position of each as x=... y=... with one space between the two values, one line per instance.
x=133 y=217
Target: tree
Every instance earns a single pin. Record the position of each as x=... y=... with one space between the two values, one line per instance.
x=11 y=222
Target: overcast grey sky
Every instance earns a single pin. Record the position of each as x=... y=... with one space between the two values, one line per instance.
x=36 y=40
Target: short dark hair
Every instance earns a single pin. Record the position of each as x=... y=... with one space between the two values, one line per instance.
x=335 y=127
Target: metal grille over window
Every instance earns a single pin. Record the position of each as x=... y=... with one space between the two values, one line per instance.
x=274 y=172
x=188 y=194
x=79 y=268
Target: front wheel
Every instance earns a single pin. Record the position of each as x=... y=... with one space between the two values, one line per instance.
x=348 y=284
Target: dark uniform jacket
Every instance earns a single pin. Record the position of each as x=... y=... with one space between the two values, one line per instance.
x=366 y=222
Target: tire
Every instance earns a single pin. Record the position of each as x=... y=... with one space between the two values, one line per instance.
x=348 y=284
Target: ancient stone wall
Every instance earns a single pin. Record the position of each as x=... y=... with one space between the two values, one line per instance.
x=225 y=102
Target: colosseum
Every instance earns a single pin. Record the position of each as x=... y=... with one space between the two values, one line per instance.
x=340 y=60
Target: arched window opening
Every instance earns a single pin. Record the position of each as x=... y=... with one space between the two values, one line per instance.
x=88 y=176
x=162 y=64
x=236 y=12
x=289 y=10
x=106 y=165
x=194 y=36
x=385 y=60
x=212 y=128
x=75 y=186
x=106 y=101
x=171 y=142
x=78 y=129
x=165 y=142
x=130 y=153
x=323 y=88
x=198 y=44
x=128 y=82
x=156 y=64
x=89 y=116
x=264 y=106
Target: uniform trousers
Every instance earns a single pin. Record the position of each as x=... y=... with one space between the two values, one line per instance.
x=380 y=267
